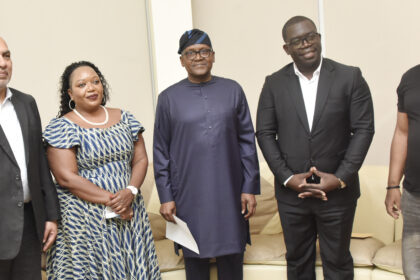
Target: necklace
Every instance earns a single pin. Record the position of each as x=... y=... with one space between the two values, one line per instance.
x=94 y=123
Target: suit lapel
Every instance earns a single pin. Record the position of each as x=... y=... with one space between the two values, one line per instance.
x=296 y=94
x=324 y=85
x=22 y=116
x=4 y=144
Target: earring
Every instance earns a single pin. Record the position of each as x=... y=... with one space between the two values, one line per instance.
x=70 y=104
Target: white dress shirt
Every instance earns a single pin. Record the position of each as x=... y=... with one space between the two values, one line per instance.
x=309 y=89
x=11 y=128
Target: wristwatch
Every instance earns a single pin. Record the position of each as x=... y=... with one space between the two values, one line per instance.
x=133 y=190
x=342 y=184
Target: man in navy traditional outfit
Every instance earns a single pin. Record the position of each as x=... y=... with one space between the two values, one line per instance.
x=205 y=161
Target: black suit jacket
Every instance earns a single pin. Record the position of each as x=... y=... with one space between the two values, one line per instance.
x=342 y=129
x=43 y=192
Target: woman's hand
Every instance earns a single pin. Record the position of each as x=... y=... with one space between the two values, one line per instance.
x=128 y=214
x=121 y=201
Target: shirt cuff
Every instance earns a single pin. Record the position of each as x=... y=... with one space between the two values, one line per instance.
x=287 y=180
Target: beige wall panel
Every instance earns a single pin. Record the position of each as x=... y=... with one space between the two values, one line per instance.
x=246 y=36
x=45 y=36
x=382 y=38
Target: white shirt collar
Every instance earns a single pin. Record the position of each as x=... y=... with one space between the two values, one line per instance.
x=315 y=75
x=8 y=96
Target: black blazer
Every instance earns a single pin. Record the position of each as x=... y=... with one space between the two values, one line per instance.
x=43 y=192
x=342 y=129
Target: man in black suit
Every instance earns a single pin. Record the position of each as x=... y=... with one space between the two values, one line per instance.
x=28 y=199
x=314 y=126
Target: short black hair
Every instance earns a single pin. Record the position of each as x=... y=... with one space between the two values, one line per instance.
x=65 y=85
x=294 y=20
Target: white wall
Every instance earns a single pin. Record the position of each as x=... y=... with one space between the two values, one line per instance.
x=45 y=36
x=380 y=36
x=169 y=20
x=246 y=36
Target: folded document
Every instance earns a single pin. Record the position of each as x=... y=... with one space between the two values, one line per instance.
x=181 y=234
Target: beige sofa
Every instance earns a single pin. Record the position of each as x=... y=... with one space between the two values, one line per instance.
x=376 y=254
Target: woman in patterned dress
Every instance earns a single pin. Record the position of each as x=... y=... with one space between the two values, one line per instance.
x=98 y=158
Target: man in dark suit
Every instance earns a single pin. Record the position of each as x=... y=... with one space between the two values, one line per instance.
x=28 y=199
x=314 y=126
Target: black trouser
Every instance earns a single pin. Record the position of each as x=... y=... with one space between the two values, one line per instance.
x=27 y=264
x=229 y=267
x=333 y=225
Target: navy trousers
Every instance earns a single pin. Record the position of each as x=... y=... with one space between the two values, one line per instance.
x=229 y=267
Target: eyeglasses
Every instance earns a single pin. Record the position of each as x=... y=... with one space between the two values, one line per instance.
x=310 y=38
x=204 y=53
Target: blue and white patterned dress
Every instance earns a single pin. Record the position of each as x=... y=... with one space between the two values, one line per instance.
x=88 y=246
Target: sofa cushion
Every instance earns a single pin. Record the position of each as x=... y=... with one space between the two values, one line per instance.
x=390 y=258
x=148 y=185
x=167 y=258
x=271 y=249
x=266 y=249
x=266 y=219
x=158 y=224
x=380 y=274
x=149 y=192
x=363 y=250
x=370 y=216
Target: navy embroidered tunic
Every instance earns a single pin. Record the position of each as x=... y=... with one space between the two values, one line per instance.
x=204 y=158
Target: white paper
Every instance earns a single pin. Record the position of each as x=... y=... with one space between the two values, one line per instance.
x=180 y=234
x=110 y=214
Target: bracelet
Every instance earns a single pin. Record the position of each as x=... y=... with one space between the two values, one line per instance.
x=392 y=187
